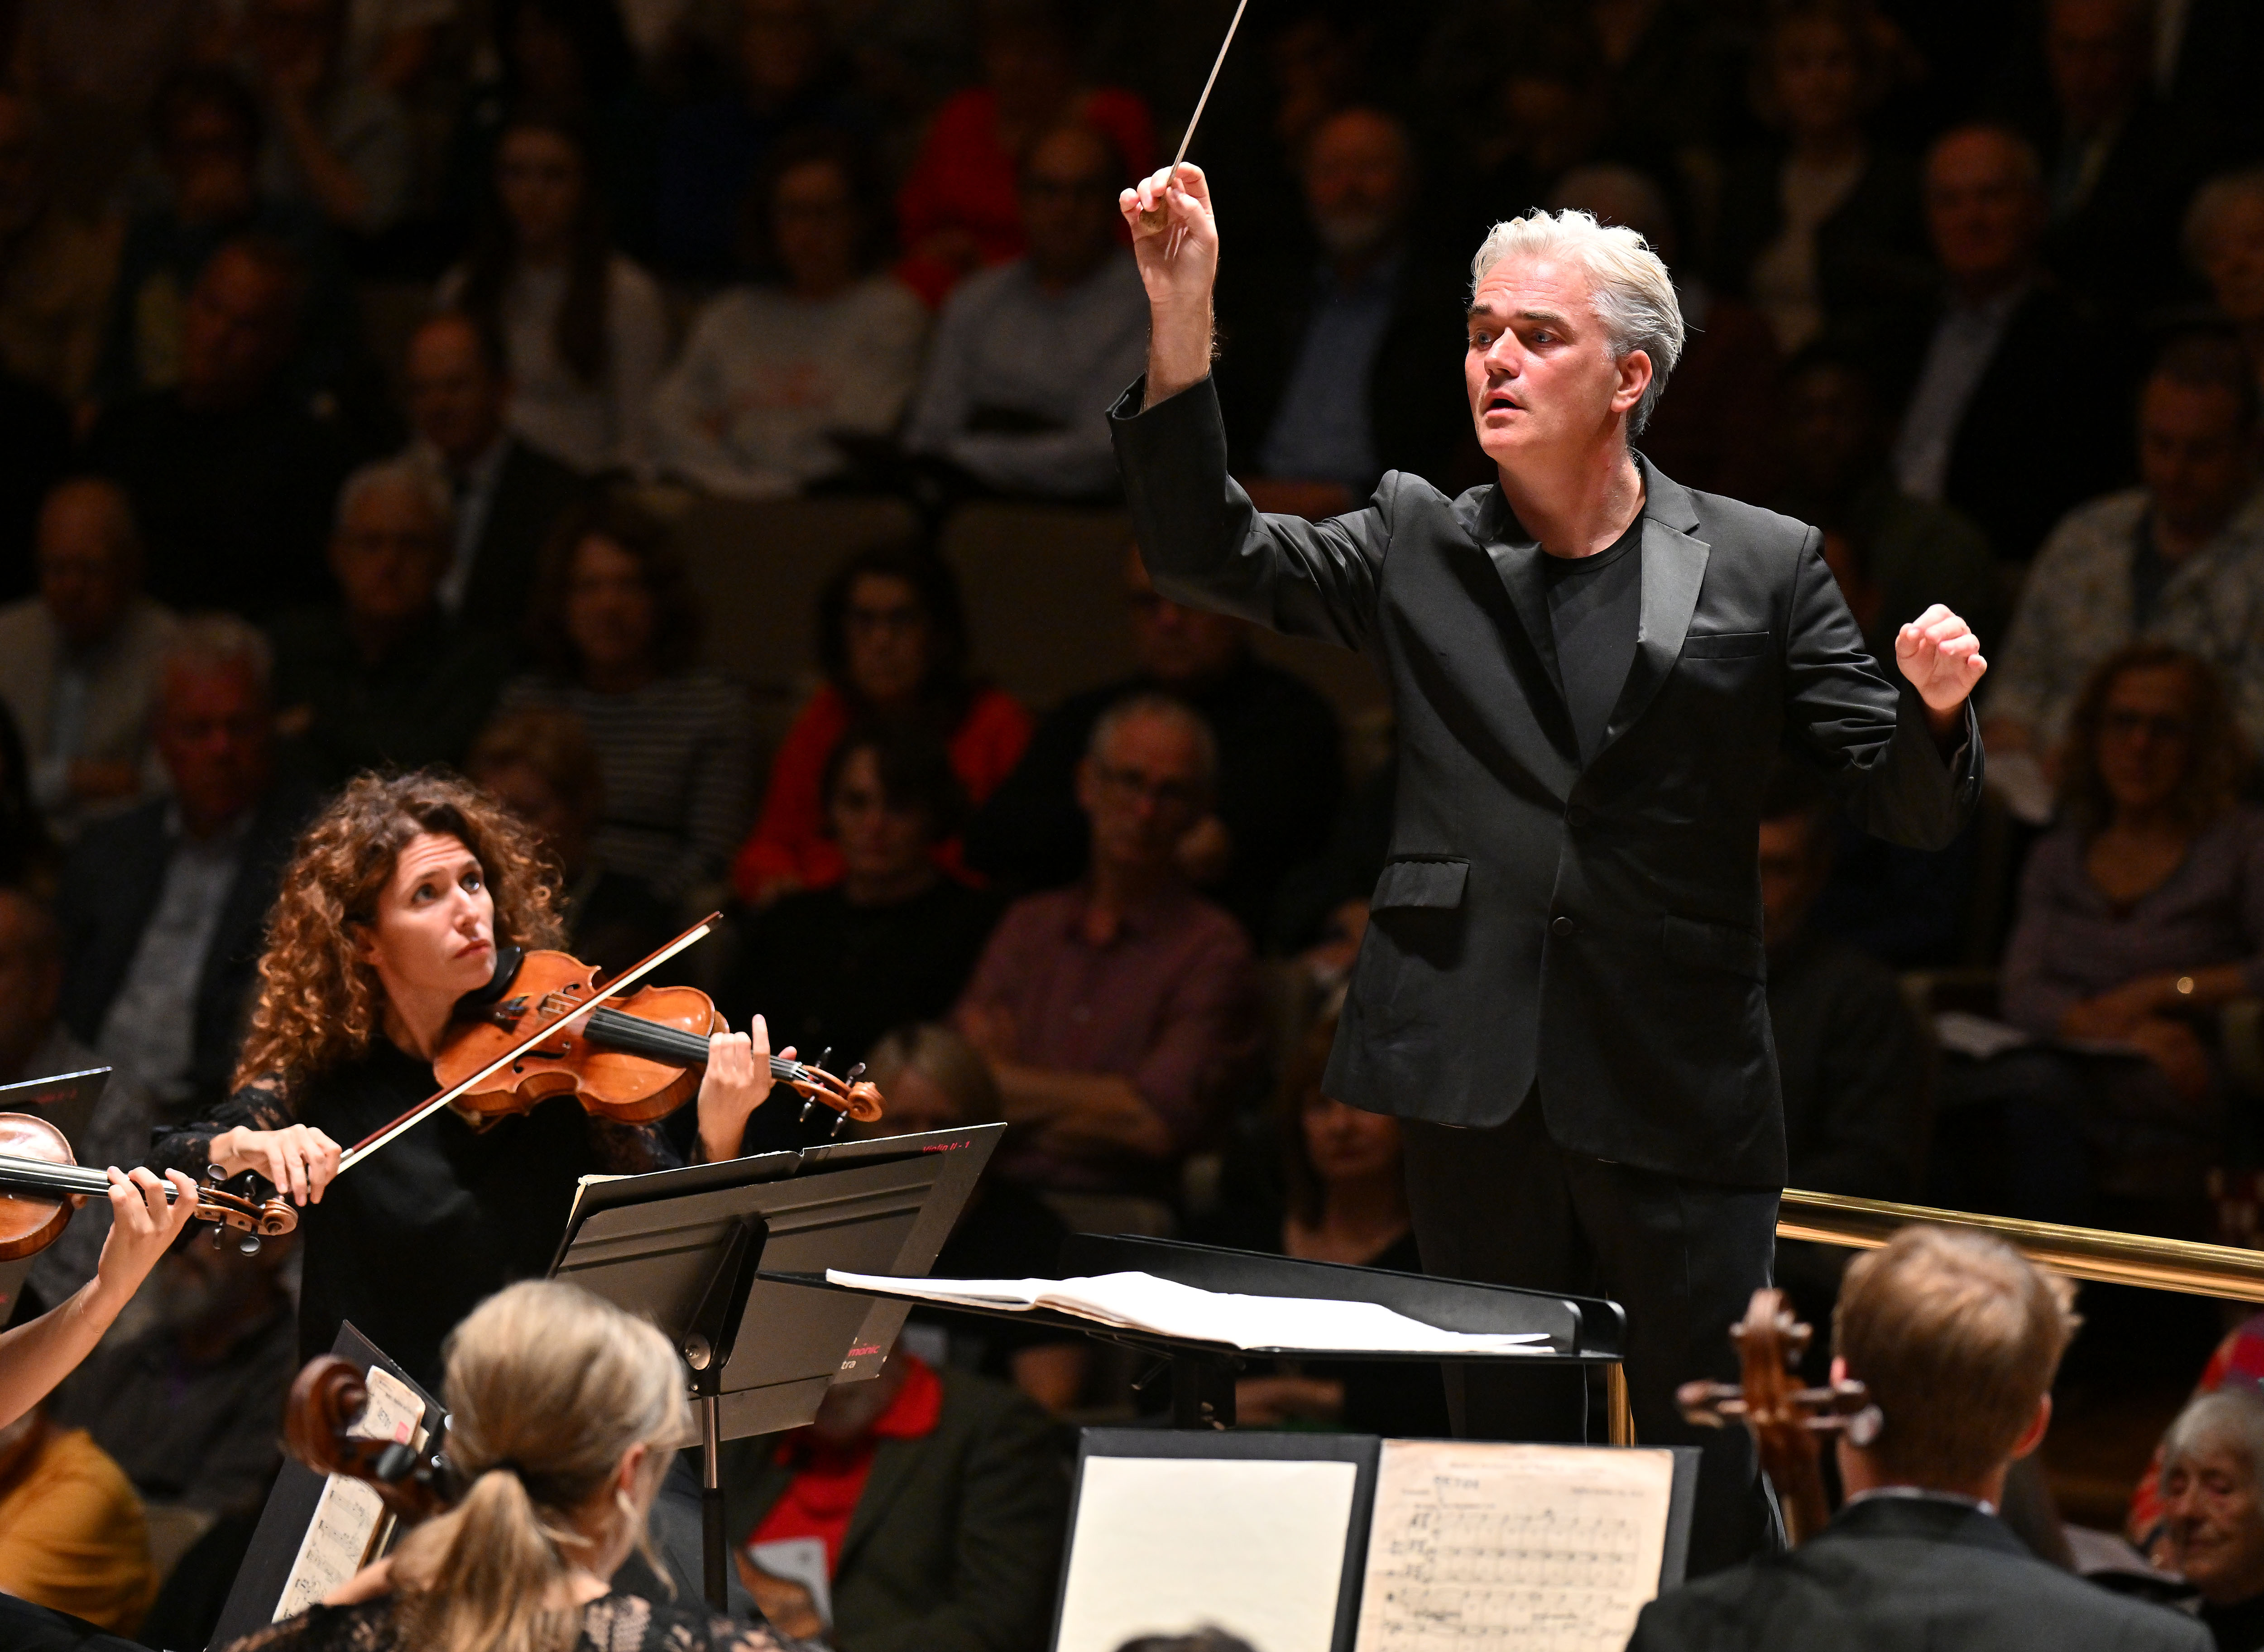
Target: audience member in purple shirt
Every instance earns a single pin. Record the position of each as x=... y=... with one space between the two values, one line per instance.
x=1120 y=1015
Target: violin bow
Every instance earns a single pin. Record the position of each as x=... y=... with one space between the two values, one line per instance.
x=439 y=1099
x=1188 y=138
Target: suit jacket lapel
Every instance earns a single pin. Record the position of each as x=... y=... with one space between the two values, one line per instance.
x=1514 y=555
x=1673 y=572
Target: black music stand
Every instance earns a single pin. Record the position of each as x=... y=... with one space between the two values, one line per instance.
x=687 y=1249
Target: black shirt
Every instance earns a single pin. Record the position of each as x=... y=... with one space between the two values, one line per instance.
x=1595 y=608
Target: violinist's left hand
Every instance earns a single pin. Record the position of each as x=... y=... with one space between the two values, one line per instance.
x=737 y=1079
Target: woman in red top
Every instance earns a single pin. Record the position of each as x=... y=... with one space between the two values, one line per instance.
x=958 y=210
x=892 y=638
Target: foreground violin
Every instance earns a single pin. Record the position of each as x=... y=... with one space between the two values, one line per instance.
x=39 y=1176
x=1788 y=1420
x=546 y=1026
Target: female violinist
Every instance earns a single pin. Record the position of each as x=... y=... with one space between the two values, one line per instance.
x=393 y=909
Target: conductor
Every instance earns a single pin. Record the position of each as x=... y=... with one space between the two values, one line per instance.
x=1592 y=670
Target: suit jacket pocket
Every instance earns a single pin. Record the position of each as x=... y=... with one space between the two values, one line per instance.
x=1724 y=645
x=1421 y=883
x=1712 y=946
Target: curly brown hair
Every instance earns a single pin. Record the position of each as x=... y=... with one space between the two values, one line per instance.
x=319 y=1001
x=2216 y=755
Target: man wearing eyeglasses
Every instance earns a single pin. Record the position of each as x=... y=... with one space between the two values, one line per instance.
x=1118 y=1014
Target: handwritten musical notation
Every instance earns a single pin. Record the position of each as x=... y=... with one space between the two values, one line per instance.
x=1537 y=1547
x=347 y=1529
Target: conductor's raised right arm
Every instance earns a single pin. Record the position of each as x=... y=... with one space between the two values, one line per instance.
x=1204 y=543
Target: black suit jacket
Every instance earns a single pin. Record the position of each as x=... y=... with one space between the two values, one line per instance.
x=1896 y=1573
x=1597 y=930
x=532 y=492
x=111 y=888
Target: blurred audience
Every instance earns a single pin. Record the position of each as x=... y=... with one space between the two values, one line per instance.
x=2224 y=241
x=164 y=909
x=2003 y=419
x=507 y=495
x=771 y=372
x=786 y=76
x=614 y=628
x=892 y=940
x=382 y=678
x=1822 y=225
x=1027 y=356
x=935 y=1080
x=1340 y=342
x=79 y=662
x=232 y=477
x=91 y=67
x=336 y=142
x=958 y=209
x=72 y=1534
x=1279 y=768
x=2178 y=559
x=1119 y=1015
x=55 y=268
x=586 y=330
x=892 y=640
x=540 y=763
x=2212 y=1480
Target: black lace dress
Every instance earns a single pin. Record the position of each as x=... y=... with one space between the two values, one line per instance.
x=610 y=1623
x=408 y=1241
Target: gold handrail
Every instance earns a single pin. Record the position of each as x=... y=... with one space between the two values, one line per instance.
x=2226 y=1271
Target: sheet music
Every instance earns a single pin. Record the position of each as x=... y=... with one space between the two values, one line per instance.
x=343 y=1534
x=1544 y=1548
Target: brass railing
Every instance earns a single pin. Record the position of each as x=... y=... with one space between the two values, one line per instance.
x=2226 y=1271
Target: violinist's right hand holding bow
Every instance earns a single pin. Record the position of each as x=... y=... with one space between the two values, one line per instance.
x=299 y=1160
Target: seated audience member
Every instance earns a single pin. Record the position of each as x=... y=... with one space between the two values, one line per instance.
x=188 y=1409
x=2004 y=419
x=892 y=640
x=2224 y=243
x=34 y=1043
x=940 y=1498
x=1957 y=1338
x=614 y=627
x=2139 y=913
x=164 y=908
x=1118 y=1015
x=542 y=767
x=585 y=329
x=1281 y=767
x=1831 y=443
x=934 y=1080
x=2179 y=559
x=1338 y=344
x=1714 y=433
x=957 y=211
x=1850 y=1058
x=786 y=77
x=79 y=662
x=2212 y=1472
x=231 y=478
x=1346 y=1203
x=339 y=143
x=893 y=941
x=508 y=495
x=1822 y=226
x=205 y=132
x=2119 y=162
x=29 y=859
x=1027 y=356
x=824 y=344
x=564 y=1414
x=56 y=269
x=382 y=679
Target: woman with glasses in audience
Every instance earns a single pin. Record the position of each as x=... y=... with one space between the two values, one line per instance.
x=564 y=1414
x=614 y=626
x=892 y=638
x=2140 y=914
x=587 y=328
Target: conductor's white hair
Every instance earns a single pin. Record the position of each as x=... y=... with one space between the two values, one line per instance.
x=1634 y=295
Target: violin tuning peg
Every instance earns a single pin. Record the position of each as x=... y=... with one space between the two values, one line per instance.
x=249 y=1244
x=214 y=1173
x=854 y=1074
x=840 y=1119
x=805 y=1106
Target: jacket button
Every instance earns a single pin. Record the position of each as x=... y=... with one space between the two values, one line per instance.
x=1560 y=926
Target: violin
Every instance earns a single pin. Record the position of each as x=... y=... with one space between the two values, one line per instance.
x=546 y=1026
x=327 y=1399
x=38 y=1178
x=1788 y=1421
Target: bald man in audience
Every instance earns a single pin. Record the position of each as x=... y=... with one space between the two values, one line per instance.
x=79 y=662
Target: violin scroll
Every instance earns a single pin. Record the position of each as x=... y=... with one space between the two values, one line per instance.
x=327 y=1399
